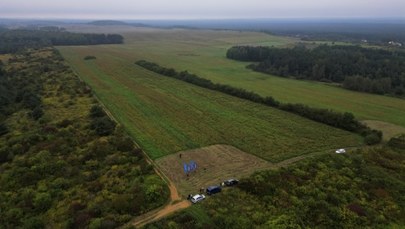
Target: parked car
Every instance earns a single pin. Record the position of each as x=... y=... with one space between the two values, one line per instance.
x=213 y=189
x=197 y=198
x=231 y=182
x=340 y=151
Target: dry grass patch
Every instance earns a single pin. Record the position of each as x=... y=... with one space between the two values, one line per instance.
x=389 y=130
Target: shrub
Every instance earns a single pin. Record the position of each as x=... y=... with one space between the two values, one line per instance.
x=97 y=111
x=42 y=202
x=64 y=123
x=89 y=58
x=3 y=129
x=34 y=223
x=123 y=143
x=103 y=126
x=397 y=142
x=37 y=113
x=373 y=137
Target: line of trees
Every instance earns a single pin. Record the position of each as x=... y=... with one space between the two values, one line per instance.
x=361 y=69
x=344 y=121
x=12 y=41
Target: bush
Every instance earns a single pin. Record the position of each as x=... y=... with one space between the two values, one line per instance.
x=37 y=113
x=96 y=223
x=42 y=202
x=34 y=223
x=97 y=111
x=397 y=142
x=103 y=126
x=372 y=139
x=31 y=100
x=64 y=123
x=3 y=129
x=3 y=155
x=89 y=58
x=123 y=143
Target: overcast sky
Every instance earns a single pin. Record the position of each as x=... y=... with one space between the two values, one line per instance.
x=195 y=9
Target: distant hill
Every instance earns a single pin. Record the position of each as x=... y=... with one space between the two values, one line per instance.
x=114 y=22
x=108 y=22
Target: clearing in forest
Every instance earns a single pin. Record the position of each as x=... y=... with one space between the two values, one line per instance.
x=215 y=164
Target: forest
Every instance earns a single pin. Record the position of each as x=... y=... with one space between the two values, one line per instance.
x=345 y=121
x=356 y=32
x=64 y=163
x=356 y=68
x=12 y=41
x=363 y=189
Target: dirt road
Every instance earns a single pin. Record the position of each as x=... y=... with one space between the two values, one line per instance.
x=175 y=203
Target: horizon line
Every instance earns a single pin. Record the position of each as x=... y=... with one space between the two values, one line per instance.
x=201 y=18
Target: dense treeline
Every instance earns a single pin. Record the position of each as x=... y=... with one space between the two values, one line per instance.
x=358 y=33
x=70 y=166
x=362 y=69
x=344 y=121
x=361 y=189
x=12 y=41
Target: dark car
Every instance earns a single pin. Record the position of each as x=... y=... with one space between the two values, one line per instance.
x=213 y=189
x=231 y=182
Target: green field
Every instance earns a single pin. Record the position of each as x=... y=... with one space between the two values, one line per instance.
x=165 y=115
x=203 y=53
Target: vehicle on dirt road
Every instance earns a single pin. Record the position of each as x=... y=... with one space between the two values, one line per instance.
x=213 y=189
x=197 y=198
x=231 y=182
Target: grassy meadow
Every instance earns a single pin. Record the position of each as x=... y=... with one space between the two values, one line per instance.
x=202 y=52
x=165 y=115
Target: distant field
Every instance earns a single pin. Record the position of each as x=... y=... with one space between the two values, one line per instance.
x=203 y=53
x=166 y=115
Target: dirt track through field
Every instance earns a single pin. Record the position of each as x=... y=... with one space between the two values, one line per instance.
x=176 y=204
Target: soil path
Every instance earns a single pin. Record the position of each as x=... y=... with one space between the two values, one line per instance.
x=175 y=204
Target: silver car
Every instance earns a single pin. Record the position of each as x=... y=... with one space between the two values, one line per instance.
x=197 y=198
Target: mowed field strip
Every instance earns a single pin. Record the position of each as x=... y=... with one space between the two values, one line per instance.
x=215 y=164
x=202 y=52
x=166 y=115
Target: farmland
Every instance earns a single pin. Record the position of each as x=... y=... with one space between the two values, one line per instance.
x=166 y=115
x=203 y=53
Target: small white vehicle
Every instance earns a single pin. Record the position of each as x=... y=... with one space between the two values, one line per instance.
x=340 y=151
x=197 y=198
